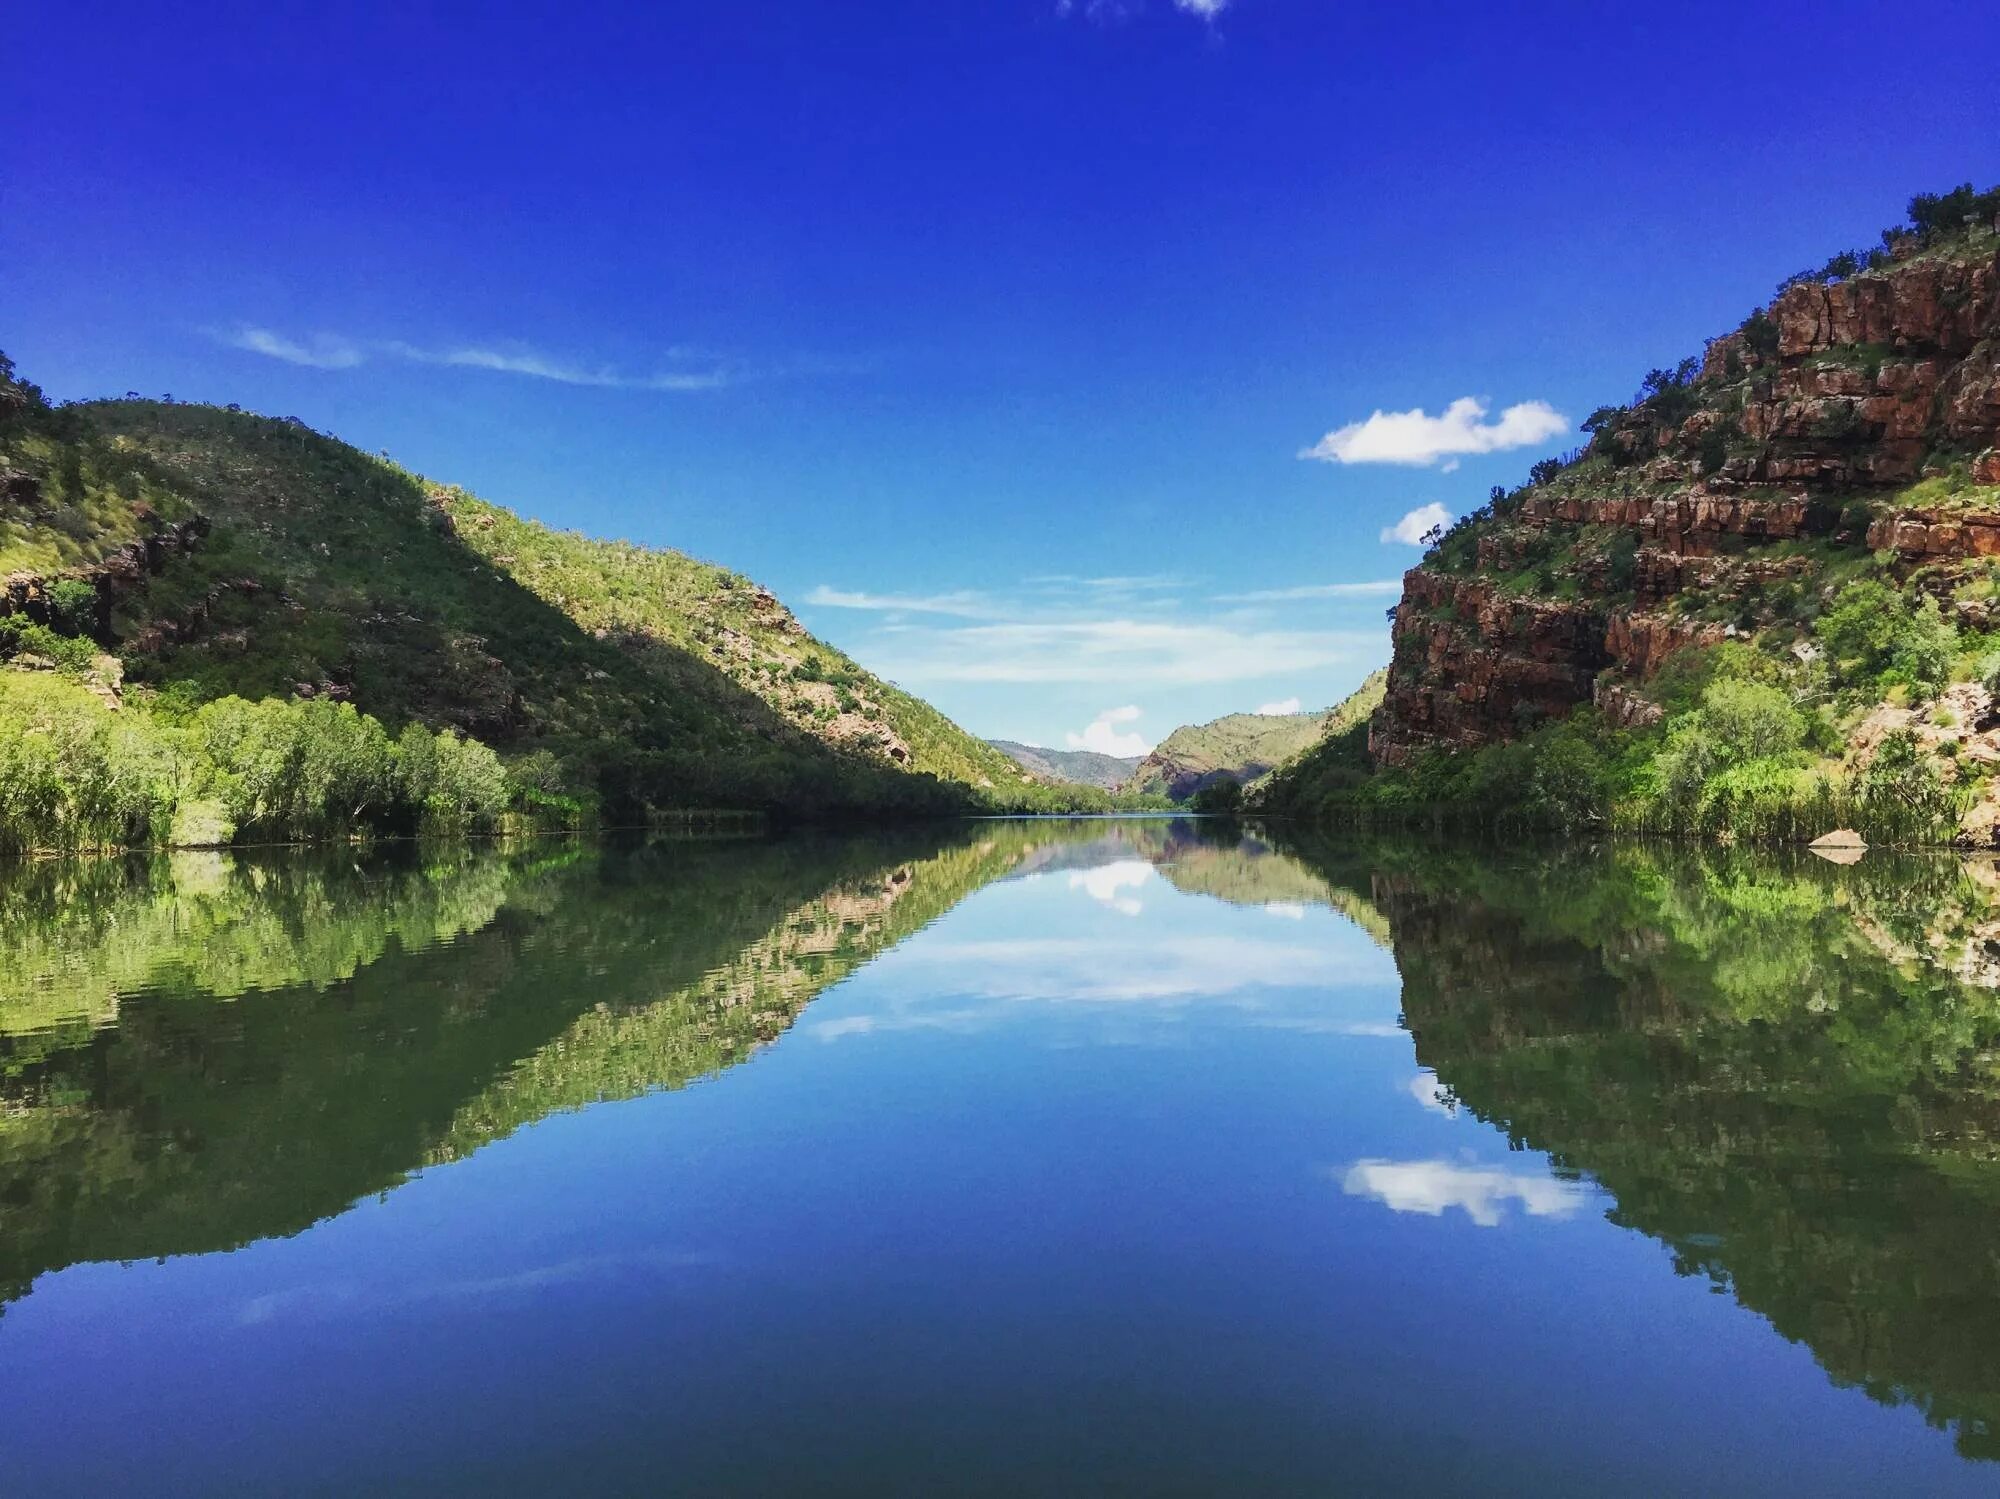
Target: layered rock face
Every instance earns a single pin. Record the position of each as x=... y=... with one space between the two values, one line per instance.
x=1857 y=414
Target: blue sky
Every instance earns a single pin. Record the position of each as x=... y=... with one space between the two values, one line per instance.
x=991 y=334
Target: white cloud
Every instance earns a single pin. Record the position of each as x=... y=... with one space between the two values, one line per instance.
x=1482 y=1192
x=1285 y=910
x=964 y=602
x=1416 y=438
x=1282 y=707
x=1372 y=589
x=1107 y=882
x=328 y=351
x=1124 y=651
x=321 y=352
x=1101 y=734
x=1208 y=10
x=1411 y=528
x=1428 y=1090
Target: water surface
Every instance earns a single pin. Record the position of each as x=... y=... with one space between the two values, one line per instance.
x=1114 y=1156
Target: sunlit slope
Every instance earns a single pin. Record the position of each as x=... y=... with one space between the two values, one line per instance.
x=1244 y=747
x=247 y=555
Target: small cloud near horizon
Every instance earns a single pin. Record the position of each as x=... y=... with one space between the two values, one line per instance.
x=1102 y=735
x=965 y=603
x=1413 y=527
x=1284 y=707
x=1373 y=588
x=1128 y=652
x=1418 y=440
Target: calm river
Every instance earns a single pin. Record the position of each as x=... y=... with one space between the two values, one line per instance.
x=1127 y=1156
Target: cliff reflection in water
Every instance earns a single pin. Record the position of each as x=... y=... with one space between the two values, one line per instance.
x=1786 y=1072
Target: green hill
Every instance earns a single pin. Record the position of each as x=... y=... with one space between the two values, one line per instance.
x=1083 y=767
x=195 y=553
x=1242 y=747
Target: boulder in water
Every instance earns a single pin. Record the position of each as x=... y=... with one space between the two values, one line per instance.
x=1841 y=846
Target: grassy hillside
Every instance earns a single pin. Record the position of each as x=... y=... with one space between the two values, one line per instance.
x=210 y=553
x=1085 y=767
x=1243 y=747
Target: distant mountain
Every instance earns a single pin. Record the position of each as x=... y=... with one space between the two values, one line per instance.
x=1244 y=746
x=1084 y=767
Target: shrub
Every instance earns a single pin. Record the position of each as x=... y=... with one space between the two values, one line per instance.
x=1705 y=767
x=1876 y=640
x=1569 y=786
x=72 y=607
x=1925 y=645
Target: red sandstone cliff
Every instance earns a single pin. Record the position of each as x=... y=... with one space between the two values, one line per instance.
x=1858 y=414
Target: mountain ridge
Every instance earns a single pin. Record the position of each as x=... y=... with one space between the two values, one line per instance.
x=1244 y=747
x=1083 y=767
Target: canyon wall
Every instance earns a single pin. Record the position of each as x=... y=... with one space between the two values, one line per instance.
x=1851 y=416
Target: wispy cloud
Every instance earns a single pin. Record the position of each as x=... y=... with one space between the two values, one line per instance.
x=1420 y=440
x=1112 y=12
x=1103 y=735
x=1179 y=969
x=965 y=602
x=536 y=366
x=1282 y=707
x=1130 y=583
x=687 y=370
x=1374 y=588
x=1413 y=527
x=1124 y=651
x=322 y=351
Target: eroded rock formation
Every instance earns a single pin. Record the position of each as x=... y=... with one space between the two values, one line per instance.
x=1861 y=413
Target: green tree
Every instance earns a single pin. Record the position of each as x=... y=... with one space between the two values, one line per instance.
x=1224 y=797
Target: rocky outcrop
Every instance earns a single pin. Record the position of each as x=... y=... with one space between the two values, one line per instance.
x=121 y=572
x=1696 y=523
x=1713 y=507
x=1472 y=664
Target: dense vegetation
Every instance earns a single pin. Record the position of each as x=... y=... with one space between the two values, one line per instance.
x=1751 y=743
x=463 y=667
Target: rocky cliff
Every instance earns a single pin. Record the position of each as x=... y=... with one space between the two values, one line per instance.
x=1855 y=417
